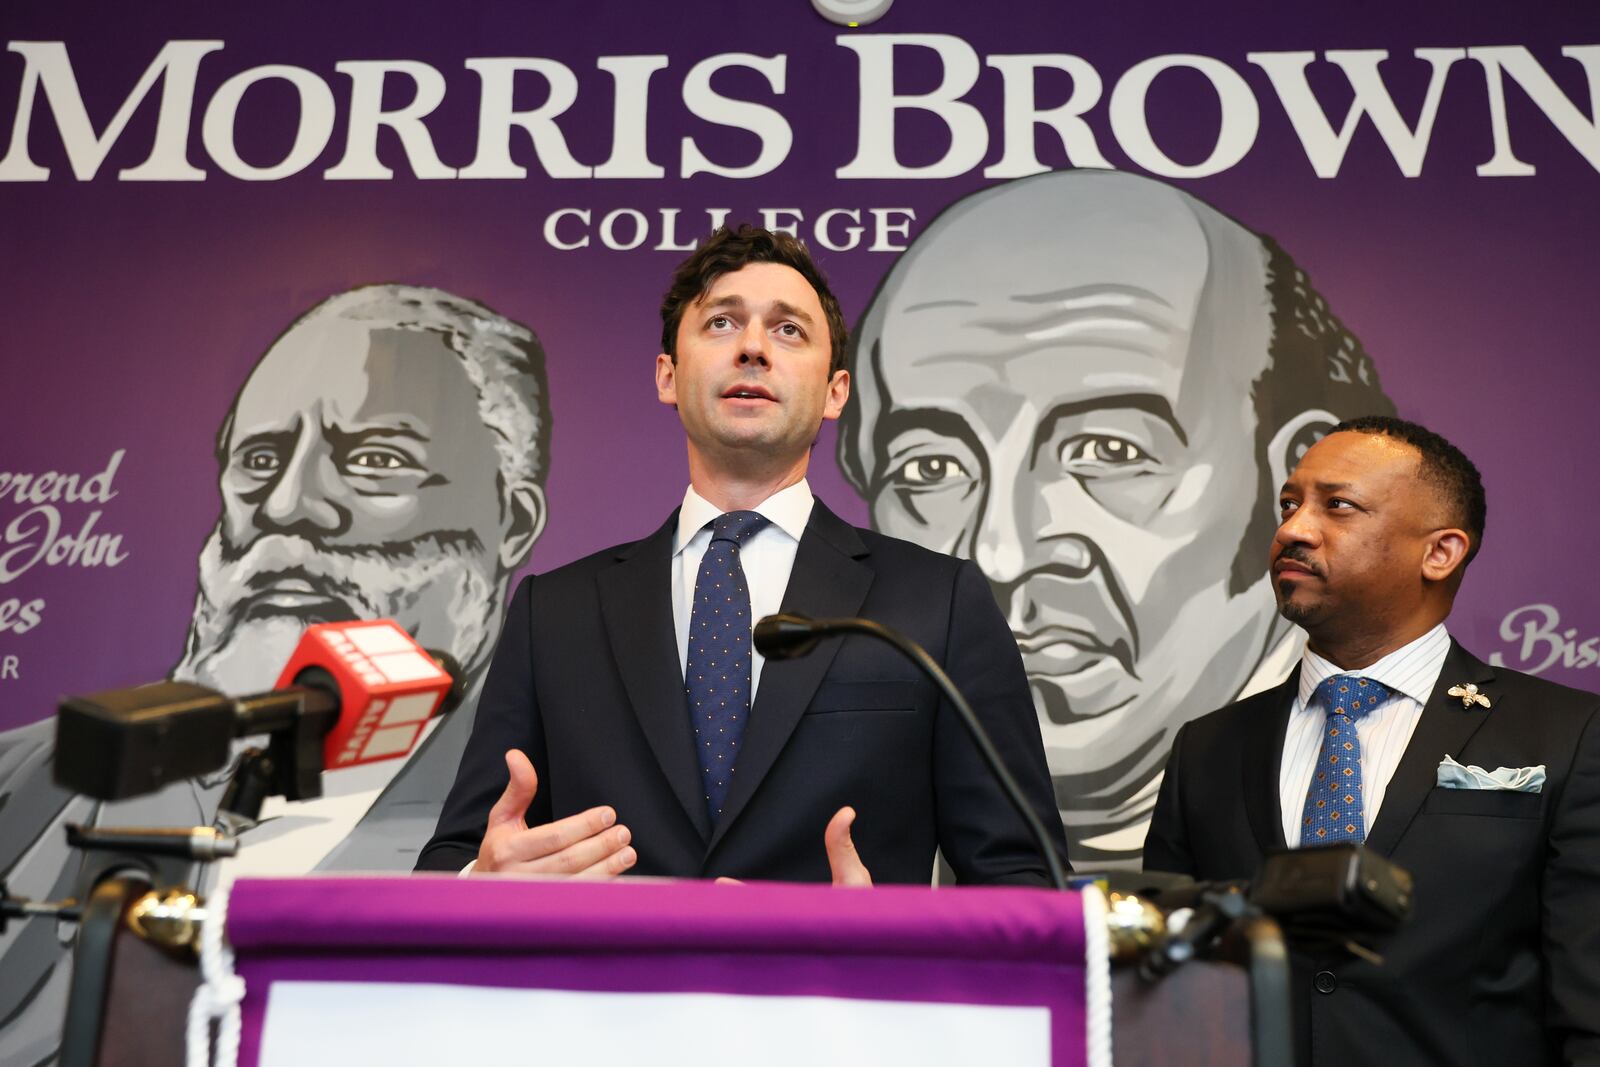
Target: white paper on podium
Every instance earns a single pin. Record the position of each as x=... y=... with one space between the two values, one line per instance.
x=398 y=1024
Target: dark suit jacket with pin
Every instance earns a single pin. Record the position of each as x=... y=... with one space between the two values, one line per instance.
x=1500 y=961
x=587 y=682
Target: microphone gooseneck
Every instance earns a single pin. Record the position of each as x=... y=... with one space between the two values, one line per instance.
x=790 y=636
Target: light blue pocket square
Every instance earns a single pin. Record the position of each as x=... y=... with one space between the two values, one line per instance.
x=1453 y=775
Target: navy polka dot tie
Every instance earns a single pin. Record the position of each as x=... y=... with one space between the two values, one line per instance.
x=1334 y=811
x=717 y=668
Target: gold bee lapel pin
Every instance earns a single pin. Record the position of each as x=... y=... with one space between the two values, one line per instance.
x=1469 y=695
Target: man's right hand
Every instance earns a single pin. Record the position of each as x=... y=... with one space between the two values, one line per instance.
x=585 y=845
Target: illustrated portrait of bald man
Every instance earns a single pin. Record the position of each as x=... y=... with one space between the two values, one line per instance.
x=385 y=458
x=1091 y=384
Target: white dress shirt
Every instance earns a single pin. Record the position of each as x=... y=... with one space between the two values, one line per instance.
x=767 y=558
x=1410 y=672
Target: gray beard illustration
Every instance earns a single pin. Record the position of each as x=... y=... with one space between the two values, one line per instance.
x=253 y=605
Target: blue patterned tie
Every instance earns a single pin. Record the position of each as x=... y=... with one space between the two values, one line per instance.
x=1333 y=811
x=717 y=669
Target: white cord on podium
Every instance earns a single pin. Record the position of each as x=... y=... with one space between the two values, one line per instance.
x=1097 y=974
x=221 y=990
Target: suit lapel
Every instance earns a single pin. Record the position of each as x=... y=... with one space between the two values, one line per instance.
x=1262 y=753
x=1444 y=729
x=828 y=580
x=636 y=604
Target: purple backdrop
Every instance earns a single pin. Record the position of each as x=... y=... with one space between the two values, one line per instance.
x=135 y=309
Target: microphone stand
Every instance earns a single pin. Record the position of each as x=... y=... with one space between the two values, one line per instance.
x=786 y=636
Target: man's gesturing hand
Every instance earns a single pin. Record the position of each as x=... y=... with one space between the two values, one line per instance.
x=585 y=845
x=843 y=860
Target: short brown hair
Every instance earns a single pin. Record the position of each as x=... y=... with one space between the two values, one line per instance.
x=728 y=250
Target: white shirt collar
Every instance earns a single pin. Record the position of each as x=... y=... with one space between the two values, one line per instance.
x=1412 y=669
x=787 y=509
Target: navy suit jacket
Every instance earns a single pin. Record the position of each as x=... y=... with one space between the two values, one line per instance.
x=1500 y=962
x=586 y=681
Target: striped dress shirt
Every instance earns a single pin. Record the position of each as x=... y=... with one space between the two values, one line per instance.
x=1410 y=672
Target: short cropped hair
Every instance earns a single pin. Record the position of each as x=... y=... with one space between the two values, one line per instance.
x=1443 y=466
x=503 y=360
x=728 y=250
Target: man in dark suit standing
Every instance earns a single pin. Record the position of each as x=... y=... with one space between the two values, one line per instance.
x=626 y=722
x=1483 y=782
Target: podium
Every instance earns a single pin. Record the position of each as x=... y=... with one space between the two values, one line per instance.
x=431 y=969
x=425 y=970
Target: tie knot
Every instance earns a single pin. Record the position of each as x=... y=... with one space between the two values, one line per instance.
x=1350 y=694
x=737 y=526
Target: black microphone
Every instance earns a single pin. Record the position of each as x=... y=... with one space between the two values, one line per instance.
x=458 y=681
x=351 y=693
x=787 y=636
x=790 y=636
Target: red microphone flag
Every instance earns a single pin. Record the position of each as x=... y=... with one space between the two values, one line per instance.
x=388 y=687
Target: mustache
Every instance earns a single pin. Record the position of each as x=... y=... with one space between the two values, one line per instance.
x=457 y=542
x=1302 y=555
x=1082 y=600
x=319 y=581
x=332 y=571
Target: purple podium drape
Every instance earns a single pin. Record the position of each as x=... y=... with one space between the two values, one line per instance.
x=1015 y=948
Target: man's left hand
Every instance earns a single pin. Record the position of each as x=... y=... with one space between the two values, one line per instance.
x=843 y=859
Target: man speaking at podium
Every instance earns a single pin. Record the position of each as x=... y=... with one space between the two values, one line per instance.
x=1482 y=782
x=628 y=725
